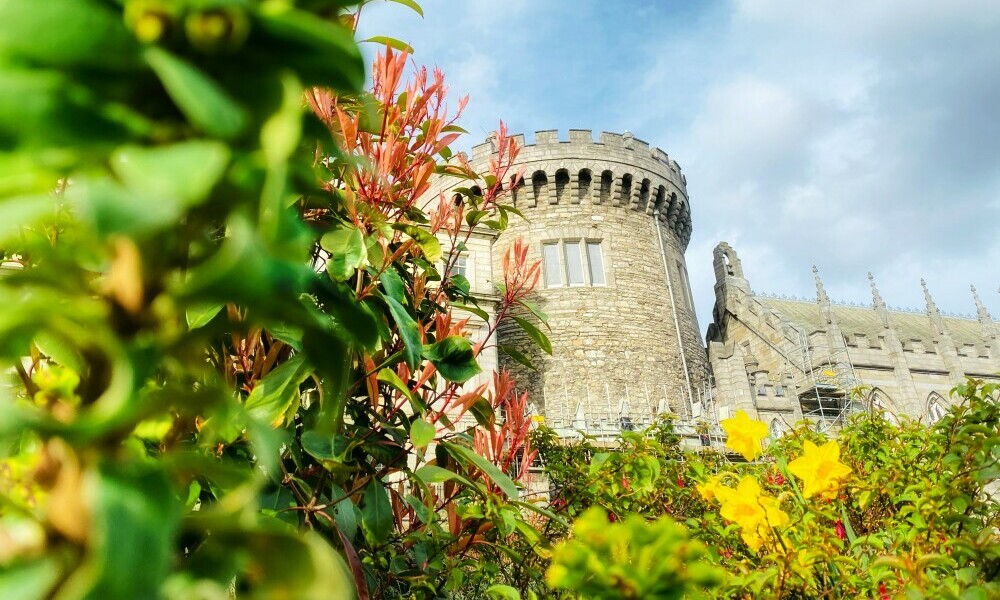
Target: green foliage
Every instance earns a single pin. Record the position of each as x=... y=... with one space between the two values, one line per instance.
x=631 y=559
x=918 y=518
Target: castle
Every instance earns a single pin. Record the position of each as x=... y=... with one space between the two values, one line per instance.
x=610 y=220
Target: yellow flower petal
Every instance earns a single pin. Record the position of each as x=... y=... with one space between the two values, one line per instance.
x=820 y=470
x=744 y=435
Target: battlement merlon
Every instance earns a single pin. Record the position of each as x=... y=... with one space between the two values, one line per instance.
x=549 y=138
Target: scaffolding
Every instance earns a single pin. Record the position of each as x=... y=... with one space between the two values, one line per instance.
x=826 y=387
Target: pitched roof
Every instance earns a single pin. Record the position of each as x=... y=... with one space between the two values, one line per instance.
x=864 y=320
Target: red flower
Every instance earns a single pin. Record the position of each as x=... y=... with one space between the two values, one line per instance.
x=883 y=594
x=680 y=481
x=841 y=532
x=625 y=482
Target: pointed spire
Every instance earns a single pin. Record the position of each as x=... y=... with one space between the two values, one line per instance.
x=876 y=297
x=931 y=307
x=981 y=312
x=820 y=291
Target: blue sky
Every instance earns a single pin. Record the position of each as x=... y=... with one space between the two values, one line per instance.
x=855 y=135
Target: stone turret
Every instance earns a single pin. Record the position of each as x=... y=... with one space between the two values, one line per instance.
x=991 y=335
x=610 y=220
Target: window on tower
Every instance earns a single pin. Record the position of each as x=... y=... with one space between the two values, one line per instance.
x=574 y=263
x=551 y=264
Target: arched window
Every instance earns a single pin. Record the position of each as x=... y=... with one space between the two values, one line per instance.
x=562 y=184
x=937 y=407
x=644 y=190
x=626 y=193
x=539 y=185
x=607 y=185
x=583 y=184
x=775 y=429
x=880 y=401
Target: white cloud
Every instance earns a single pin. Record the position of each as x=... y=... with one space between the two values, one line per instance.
x=856 y=134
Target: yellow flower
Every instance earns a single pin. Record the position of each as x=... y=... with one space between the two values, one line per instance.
x=708 y=490
x=744 y=435
x=757 y=514
x=820 y=469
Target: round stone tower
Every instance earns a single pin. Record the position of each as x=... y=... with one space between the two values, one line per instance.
x=610 y=220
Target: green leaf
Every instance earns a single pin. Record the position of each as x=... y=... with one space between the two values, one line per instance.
x=200 y=315
x=23 y=211
x=482 y=314
x=505 y=483
x=533 y=332
x=393 y=285
x=136 y=517
x=202 y=100
x=275 y=394
x=393 y=43
x=421 y=510
x=412 y=4
x=183 y=173
x=30 y=580
x=325 y=447
x=319 y=51
x=453 y=358
x=346 y=246
x=60 y=350
x=435 y=474
x=544 y=318
x=422 y=432
x=389 y=376
x=408 y=330
x=516 y=355
x=376 y=513
x=280 y=134
x=503 y=592
x=66 y=33
x=427 y=241
x=483 y=412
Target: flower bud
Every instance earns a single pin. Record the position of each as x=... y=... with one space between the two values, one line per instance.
x=841 y=531
x=221 y=29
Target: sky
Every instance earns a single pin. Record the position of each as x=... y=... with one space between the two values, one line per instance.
x=852 y=135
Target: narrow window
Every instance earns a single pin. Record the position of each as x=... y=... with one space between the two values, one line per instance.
x=461 y=266
x=574 y=263
x=596 y=262
x=553 y=270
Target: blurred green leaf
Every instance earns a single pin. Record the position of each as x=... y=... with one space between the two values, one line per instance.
x=66 y=33
x=136 y=516
x=202 y=100
x=182 y=173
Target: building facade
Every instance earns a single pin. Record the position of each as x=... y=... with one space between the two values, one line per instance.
x=610 y=220
x=783 y=359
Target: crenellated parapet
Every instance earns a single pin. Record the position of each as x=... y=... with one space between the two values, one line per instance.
x=616 y=170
